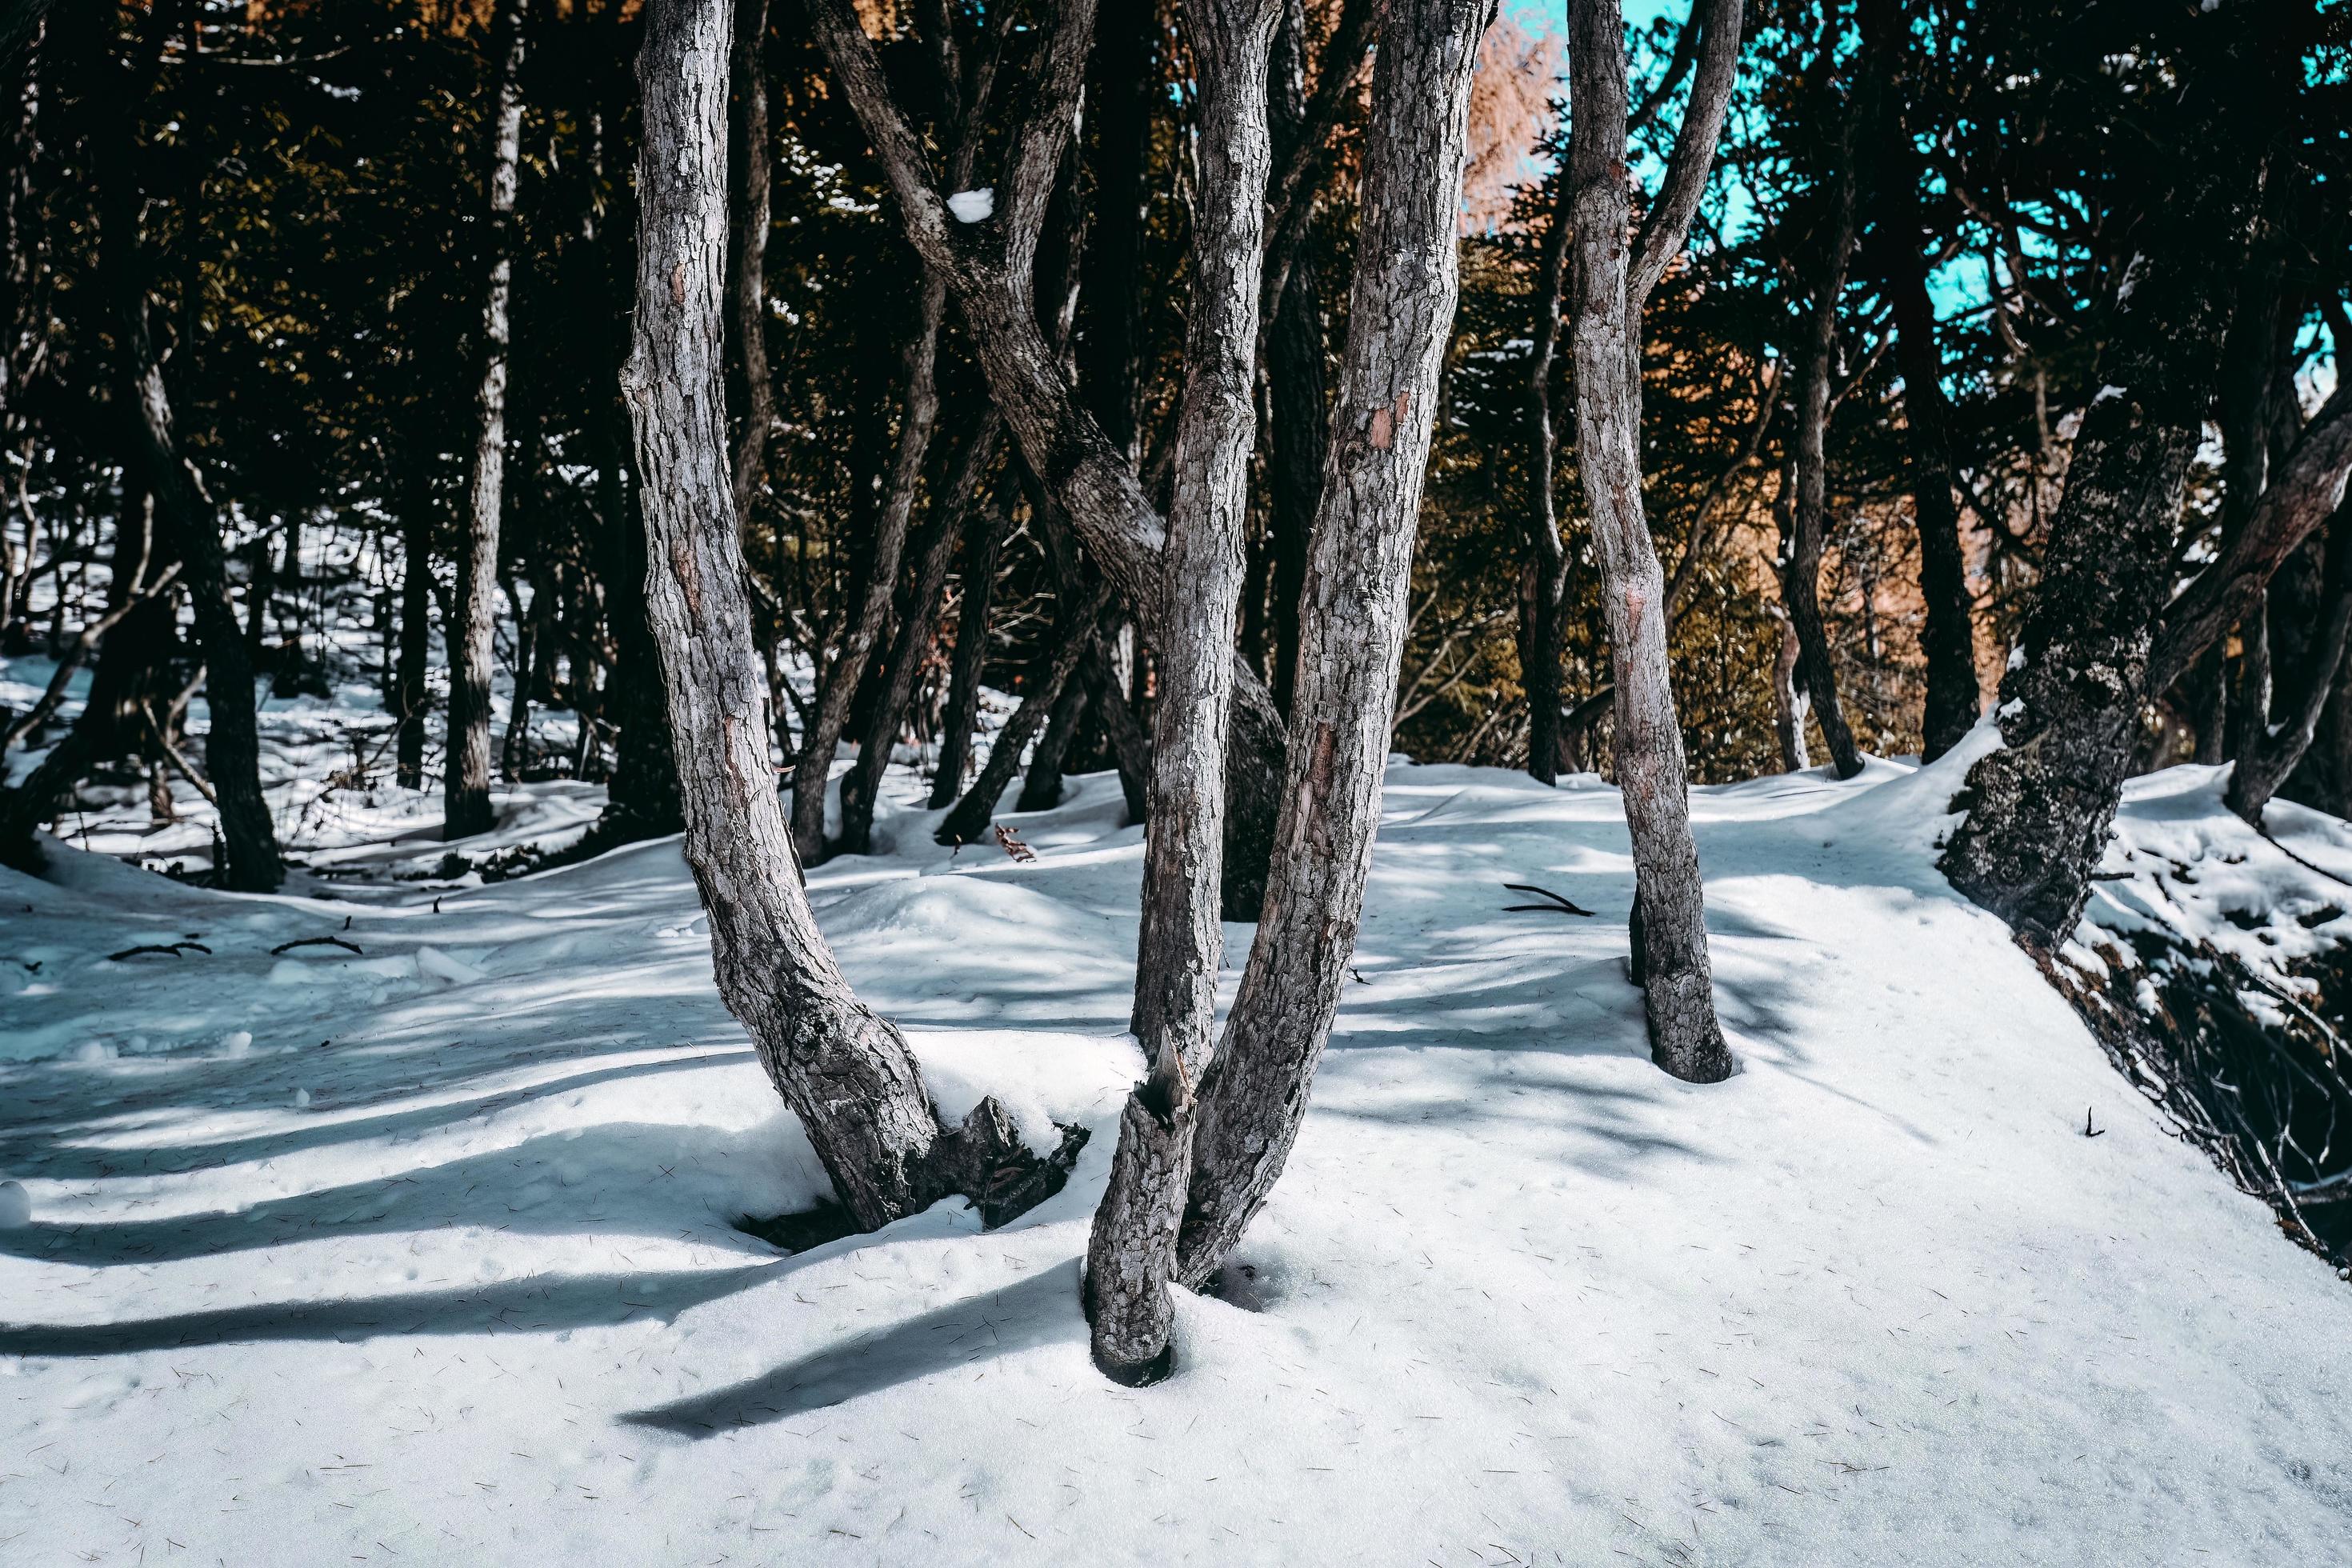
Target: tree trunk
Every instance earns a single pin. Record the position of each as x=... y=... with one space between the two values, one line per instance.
x=838 y=688
x=1119 y=103
x=1679 y=994
x=917 y=630
x=192 y=527
x=1090 y=482
x=983 y=536
x=1948 y=636
x=2040 y=808
x=466 y=783
x=135 y=655
x=1041 y=781
x=747 y=252
x=2275 y=754
x=846 y=1073
x=1073 y=631
x=1129 y=745
x=1254 y=1095
x=1816 y=665
x=410 y=703
x=1132 y=1254
x=1294 y=376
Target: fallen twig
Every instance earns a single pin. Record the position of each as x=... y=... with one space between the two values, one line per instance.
x=1558 y=905
x=174 y=948
x=314 y=942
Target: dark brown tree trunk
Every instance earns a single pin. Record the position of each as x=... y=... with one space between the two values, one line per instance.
x=916 y=632
x=1294 y=376
x=1611 y=283
x=2275 y=753
x=983 y=535
x=410 y=704
x=747 y=251
x=1132 y=1254
x=1816 y=663
x=846 y=1073
x=135 y=653
x=466 y=783
x=838 y=689
x=1041 y=781
x=1130 y=747
x=1254 y=1095
x=641 y=798
x=192 y=528
x=1073 y=631
x=1120 y=104
x=2039 y=809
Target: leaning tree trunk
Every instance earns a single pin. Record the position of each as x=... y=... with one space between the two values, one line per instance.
x=1816 y=664
x=838 y=688
x=1254 y=1095
x=2276 y=753
x=1073 y=632
x=192 y=528
x=1294 y=373
x=466 y=783
x=747 y=246
x=983 y=537
x=1612 y=281
x=2040 y=808
x=1041 y=781
x=1132 y=1254
x=846 y=1073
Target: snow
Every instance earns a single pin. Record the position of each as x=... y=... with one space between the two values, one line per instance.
x=427 y=1252
x=973 y=206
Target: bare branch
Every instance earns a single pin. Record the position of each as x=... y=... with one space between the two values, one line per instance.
x=1694 y=155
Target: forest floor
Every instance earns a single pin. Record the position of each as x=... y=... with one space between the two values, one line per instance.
x=426 y=1252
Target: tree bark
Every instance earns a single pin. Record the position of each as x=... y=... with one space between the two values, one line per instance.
x=2277 y=751
x=465 y=785
x=1254 y=1095
x=983 y=536
x=1816 y=664
x=989 y=268
x=1547 y=554
x=846 y=1073
x=747 y=246
x=820 y=737
x=2039 y=809
x=916 y=631
x=1132 y=1254
x=1074 y=630
x=1610 y=287
x=410 y=703
x=1041 y=781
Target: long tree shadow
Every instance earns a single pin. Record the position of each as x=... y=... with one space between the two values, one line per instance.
x=1042 y=1310
x=536 y=1305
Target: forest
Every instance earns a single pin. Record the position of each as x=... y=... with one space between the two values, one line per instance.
x=775 y=773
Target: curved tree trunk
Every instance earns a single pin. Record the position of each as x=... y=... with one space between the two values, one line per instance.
x=846 y=1073
x=1131 y=1253
x=2276 y=753
x=1611 y=282
x=1073 y=632
x=838 y=688
x=1254 y=1095
x=983 y=536
x=466 y=784
x=2041 y=808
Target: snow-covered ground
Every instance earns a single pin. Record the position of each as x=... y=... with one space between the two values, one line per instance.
x=423 y=1253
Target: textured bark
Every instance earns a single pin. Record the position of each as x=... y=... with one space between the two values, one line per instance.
x=466 y=782
x=821 y=736
x=983 y=537
x=747 y=251
x=989 y=268
x=1132 y=1252
x=1400 y=314
x=1610 y=288
x=410 y=703
x=192 y=526
x=1541 y=635
x=2040 y=808
x=1074 y=630
x=1816 y=665
x=2277 y=751
x=846 y=1073
x=911 y=645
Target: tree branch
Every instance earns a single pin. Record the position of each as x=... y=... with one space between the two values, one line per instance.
x=1694 y=155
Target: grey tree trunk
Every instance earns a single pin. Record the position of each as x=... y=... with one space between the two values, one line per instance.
x=466 y=784
x=1351 y=637
x=830 y=715
x=2040 y=808
x=1132 y=1254
x=991 y=274
x=1612 y=280
x=747 y=247
x=846 y=1073
x=1816 y=665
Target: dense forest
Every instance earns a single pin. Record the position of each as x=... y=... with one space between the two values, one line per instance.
x=801 y=425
